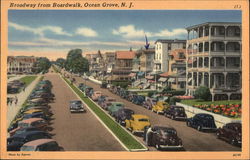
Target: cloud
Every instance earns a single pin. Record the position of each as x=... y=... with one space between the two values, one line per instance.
x=130 y=31
x=86 y=32
x=40 y=30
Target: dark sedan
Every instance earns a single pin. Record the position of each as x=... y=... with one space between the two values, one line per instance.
x=76 y=106
x=202 y=121
x=175 y=112
x=15 y=142
x=231 y=132
x=162 y=138
x=123 y=114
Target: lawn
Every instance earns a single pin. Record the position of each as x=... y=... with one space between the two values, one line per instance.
x=192 y=102
x=123 y=136
x=28 y=79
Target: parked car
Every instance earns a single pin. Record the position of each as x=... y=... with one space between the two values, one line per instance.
x=231 y=132
x=89 y=91
x=104 y=85
x=149 y=103
x=101 y=99
x=202 y=121
x=31 y=122
x=38 y=101
x=15 y=142
x=114 y=107
x=108 y=101
x=96 y=95
x=26 y=129
x=41 y=145
x=31 y=111
x=76 y=106
x=123 y=114
x=159 y=107
x=138 y=99
x=175 y=112
x=137 y=123
x=35 y=115
x=162 y=137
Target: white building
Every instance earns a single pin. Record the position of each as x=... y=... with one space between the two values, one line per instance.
x=163 y=48
x=20 y=64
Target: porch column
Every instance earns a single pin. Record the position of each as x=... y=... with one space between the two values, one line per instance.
x=225 y=34
x=192 y=79
x=197 y=78
x=225 y=79
x=209 y=80
x=203 y=34
x=198 y=32
x=225 y=48
x=203 y=79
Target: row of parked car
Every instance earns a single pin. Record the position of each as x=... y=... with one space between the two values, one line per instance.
x=15 y=86
x=231 y=132
x=29 y=131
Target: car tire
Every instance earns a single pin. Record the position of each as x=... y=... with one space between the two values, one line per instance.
x=199 y=128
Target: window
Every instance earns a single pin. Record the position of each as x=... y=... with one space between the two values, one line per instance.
x=237 y=31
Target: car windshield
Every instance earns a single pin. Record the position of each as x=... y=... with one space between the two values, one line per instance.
x=76 y=102
x=27 y=148
x=169 y=132
x=119 y=105
x=143 y=120
x=178 y=109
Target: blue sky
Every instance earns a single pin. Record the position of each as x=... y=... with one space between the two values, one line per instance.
x=54 y=32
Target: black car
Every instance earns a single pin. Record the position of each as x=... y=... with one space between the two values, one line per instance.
x=202 y=121
x=76 y=106
x=123 y=114
x=104 y=85
x=15 y=142
x=162 y=137
x=175 y=112
x=231 y=132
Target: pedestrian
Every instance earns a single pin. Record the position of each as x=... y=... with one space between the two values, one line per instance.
x=11 y=101
x=16 y=101
x=24 y=88
x=8 y=101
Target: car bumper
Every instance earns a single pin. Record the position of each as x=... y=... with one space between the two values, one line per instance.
x=77 y=111
x=167 y=146
x=208 y=128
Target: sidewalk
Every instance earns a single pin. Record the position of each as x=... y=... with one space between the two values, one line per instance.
x=13 y=109
x=16 y=77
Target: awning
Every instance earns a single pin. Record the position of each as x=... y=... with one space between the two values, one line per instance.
x=171 y=80
x=140 y=73
x=165 y=74
x=162 y=79
x=181 y=79
x=149 y=77
x=132 y=75
x=151 y=81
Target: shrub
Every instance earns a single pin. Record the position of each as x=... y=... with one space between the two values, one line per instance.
x=202 y=92
x=173 y=100
x=176 y=92
x=122 y=84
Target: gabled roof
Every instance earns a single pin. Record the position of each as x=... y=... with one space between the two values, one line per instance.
x=125 y=54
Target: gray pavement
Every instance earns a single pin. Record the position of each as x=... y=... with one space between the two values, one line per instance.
x=13 y=108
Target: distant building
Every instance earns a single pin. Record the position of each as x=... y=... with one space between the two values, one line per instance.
x=96 y=63
x=20 y=64
x=215 y=60
x=122 y=67
x=163 y=48
x=109 y=59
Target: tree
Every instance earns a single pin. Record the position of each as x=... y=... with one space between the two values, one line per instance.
x=41 y=65
x=75 y=62
x=60 y=62
x=203 y=93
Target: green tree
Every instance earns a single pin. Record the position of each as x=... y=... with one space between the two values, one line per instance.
x=60 y=62
x=75 y=62
x=41 y=65
x=203 y=93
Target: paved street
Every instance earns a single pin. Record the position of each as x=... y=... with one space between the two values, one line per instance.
x=77 y=131
x=22 y=96
x=193 y=140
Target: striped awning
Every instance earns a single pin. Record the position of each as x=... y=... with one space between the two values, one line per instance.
x=149 y=77
x=171 y=80
x=181 y=79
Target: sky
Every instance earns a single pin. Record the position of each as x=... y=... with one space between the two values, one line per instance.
x=52 y=33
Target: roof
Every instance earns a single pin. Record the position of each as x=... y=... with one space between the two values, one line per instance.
x=214 y=23
x=171 y=40
x=165 y=74
x=30 y=120
x=24 y=134
x=125 y=54
x=38 y=142
x=140 y=116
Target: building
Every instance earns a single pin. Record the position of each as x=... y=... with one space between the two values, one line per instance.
x=96 y=63
x=146 y=58
x=215 y=60
x=122 y=67
x=20 y=64
x=163 y=48
x=109 y=61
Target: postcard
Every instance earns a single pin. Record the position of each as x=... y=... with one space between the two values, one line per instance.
x=106 y=79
